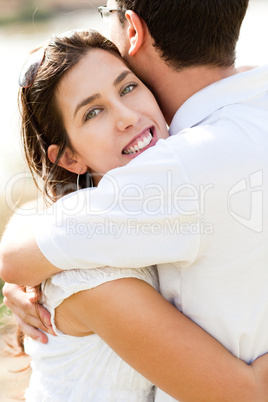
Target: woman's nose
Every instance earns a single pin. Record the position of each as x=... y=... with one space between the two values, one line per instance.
x=126 y=117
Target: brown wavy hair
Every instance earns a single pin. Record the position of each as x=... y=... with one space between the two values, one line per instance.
x=41 y=120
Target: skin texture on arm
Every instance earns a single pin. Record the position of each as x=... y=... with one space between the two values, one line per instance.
x=19 y=253
x=162 y=344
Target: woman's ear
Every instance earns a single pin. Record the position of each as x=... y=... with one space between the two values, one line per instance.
x=136 y=32
x=67 y=160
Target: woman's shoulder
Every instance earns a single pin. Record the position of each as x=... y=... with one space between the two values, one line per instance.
x=66 y=283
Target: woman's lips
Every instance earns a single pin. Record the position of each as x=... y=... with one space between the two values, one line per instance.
x=139 y=143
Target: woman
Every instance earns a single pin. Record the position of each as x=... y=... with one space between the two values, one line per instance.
x=84 y=112
x=106 y=129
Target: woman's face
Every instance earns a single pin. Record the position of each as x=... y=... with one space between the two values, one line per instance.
x=108 y=113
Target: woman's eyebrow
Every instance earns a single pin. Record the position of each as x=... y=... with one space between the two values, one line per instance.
x=121 y=77
x=86 y=101
x=92 y=98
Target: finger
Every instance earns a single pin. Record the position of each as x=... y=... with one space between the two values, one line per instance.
x=45 y=318
x=31 y=313
x=14 y=293
x=21 y=307
x=33 y=296
x=30 y=331
x=8 y=288
x=32 y=319
x=34 y=293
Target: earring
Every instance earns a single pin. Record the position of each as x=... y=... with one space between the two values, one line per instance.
x=77 y=182
x=90 y=180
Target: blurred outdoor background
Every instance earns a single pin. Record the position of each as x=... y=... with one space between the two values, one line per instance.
x=25 y=24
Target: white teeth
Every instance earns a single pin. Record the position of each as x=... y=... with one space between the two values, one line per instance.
x=146 y=141
x=141 y=144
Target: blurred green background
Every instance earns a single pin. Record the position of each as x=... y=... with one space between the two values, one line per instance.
x=22 y=11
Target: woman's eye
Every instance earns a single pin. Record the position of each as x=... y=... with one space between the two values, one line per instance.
x=128 y=89
x=92 y=113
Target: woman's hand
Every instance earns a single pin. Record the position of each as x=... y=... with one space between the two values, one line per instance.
x=31 y=317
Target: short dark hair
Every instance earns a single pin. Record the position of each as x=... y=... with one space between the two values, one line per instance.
x=192 y=32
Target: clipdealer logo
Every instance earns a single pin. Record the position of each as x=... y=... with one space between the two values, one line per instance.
x=252 y=189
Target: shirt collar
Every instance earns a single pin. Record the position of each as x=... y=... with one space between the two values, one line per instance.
x=234 y=89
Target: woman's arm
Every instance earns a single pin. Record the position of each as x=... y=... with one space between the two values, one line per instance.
x=21 y=260
x=119 y=216
x=162 y=344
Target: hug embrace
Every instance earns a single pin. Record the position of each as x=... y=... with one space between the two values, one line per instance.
x=159 y=113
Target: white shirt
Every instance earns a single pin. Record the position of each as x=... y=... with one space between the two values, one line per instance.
x=196 y=204
x=80 y=369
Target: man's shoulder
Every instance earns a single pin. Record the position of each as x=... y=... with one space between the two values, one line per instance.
x=193 y=137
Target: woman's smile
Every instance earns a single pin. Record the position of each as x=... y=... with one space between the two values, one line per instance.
x=140 y=143
x=110 y=116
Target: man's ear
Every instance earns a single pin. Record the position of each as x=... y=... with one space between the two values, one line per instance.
x=136 y=32
x=67 y=160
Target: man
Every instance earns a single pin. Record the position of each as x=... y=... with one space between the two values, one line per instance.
x=200 y=196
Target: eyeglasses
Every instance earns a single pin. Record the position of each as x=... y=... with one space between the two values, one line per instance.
x=106 y=12
x=31 y=67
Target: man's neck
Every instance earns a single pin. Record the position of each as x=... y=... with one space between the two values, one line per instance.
x=173 y=88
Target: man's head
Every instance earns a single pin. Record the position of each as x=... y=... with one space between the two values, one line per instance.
x=191 y=32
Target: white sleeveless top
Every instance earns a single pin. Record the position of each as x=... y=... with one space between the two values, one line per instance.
x=81 y=369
